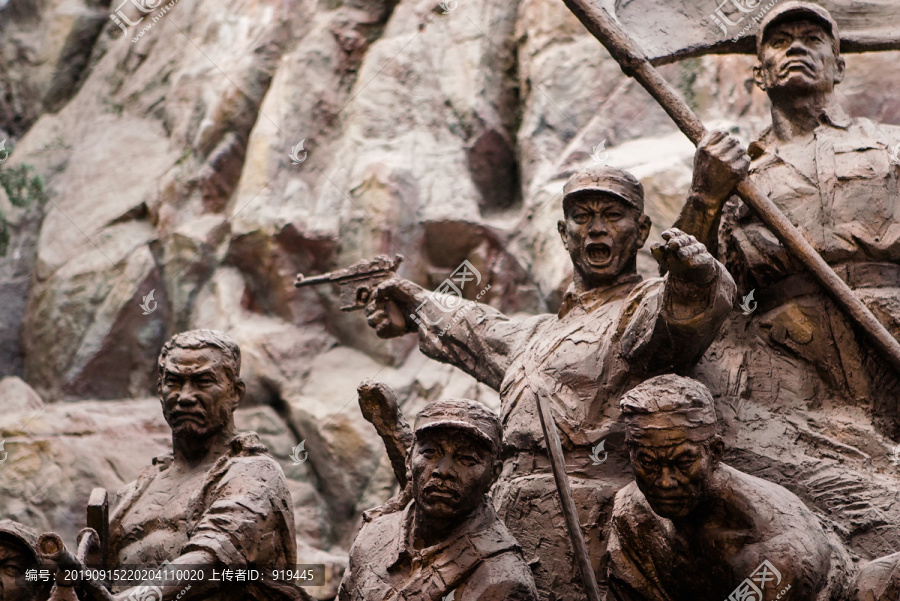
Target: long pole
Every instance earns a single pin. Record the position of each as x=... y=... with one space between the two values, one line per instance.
x=557 y=462
x=635 y=64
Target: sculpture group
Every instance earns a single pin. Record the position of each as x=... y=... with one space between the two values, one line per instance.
x=517 y=506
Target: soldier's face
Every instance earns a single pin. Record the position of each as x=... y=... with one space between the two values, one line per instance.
x=798 y=56
x=673 y=473
x=451 y=471
x=13 y=563
x=197 y=395
x=602 y=235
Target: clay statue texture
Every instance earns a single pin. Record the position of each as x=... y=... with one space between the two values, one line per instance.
x=692 y=528
x=612 y=331
x=219 y=499
x=796 y=363
x=17 y=554
x=447 y=542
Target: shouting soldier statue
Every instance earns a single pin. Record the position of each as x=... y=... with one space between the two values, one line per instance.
x=612 y=331
x=448 y=542
x=220 y=499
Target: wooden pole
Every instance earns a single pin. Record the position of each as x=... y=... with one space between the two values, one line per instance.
x=635 y=64
x=557 y=462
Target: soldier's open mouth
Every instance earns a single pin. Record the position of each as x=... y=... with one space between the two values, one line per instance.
x=598 y=253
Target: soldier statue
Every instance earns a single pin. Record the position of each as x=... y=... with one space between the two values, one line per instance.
x=17 y=558
x=220 y=499
x=447 y=543
x=690 y=528
x=612 y=331
x=798 y=356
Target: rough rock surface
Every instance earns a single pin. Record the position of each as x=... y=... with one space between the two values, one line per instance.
x=174 y=166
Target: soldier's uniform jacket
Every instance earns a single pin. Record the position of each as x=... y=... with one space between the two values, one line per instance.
x=242 y=514
x=478 y=561
x=843 y=194
x=600 y=344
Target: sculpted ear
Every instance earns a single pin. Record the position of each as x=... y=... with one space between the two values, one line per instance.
x=239 y=390
x=758 y=77
x=644 y=224
x=717 y=450
x=498 y=467
x=561 y=228
x=840 y=66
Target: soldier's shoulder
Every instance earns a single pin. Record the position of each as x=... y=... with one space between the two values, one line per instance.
x=504 y=576
x=377 y=535
x=630 y=506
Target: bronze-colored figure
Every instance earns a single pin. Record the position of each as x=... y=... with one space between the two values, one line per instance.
x=798 y=357
x=448 y=542
x=219 y=499
x=694 y=529
x=612 y=331
x=878 y=580
x=18 y=555
x=837 y=180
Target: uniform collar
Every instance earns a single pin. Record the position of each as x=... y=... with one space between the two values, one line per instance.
x=591 y=298
x=476 y=521
x=834 y=116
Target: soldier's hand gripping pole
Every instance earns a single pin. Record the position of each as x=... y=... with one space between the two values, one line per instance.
x=635 y=64
x=557 y=462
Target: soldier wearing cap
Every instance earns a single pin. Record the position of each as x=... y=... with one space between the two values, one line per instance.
x=18 y=555
x=690 y=528
x=448 y=543
x=612 y=331
x=837 y=180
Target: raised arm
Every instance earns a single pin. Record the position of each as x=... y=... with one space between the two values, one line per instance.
x=719 y=164
x=672 y=321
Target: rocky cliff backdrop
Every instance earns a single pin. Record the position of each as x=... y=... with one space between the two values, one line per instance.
x=167 y=160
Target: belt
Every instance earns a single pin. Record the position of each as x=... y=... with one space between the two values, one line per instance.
x=856 y=275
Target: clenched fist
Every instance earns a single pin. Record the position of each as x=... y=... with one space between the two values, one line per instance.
x=393 y=301
x=684 y=257
x=720 y=163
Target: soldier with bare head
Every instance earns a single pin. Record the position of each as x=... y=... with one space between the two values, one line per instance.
x=219 y=499
x=448 y=542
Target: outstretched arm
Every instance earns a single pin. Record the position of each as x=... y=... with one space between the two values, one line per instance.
x=469 y=335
